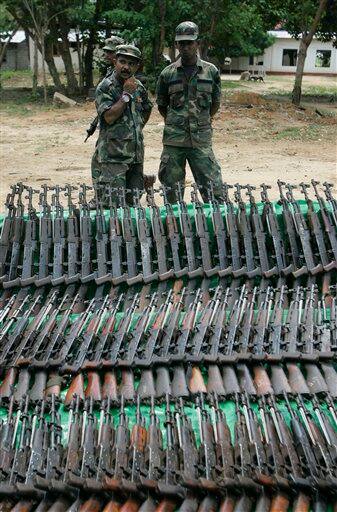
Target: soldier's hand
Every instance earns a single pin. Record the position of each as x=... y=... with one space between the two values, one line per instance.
x=130 y=85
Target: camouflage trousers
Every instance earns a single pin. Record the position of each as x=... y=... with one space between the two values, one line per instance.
x=203 y=164
x=110 y=175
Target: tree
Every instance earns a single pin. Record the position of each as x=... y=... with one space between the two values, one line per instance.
x=8 y=28
x=303 y=20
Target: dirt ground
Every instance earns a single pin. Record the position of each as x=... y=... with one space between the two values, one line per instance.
x=255 y=139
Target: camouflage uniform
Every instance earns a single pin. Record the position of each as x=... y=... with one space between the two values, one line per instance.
x=119 y=155
x=188 y=131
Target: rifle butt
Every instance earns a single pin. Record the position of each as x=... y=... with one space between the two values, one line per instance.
x=60 y=505
x=208 y=504
x=244 y=504
x=146 y=387
x=196 y=382
x=163 y=384
x=280 y=503
x=227 y=504
x=131 y=505
x=263 y=503
x=76 y=388
x=93 y=389
x=262 y=381
x=214 y=383
x=22 y=385
x=23 y=506
x=92 y=504
x=230 y=380
x=109 y=388
x=112 y=506
x=37 y=390
x=6 y=387
x=127 y=387
x=149 y=505
x=301 y=503
x=53 y=386
x=179 y=384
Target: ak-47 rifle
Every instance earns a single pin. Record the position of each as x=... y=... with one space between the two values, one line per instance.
x=219 y=229
x=308 y=325
x=153 y=456
x=261 y=324
x=85 y=235
x=216 y=329
x=317 y=230
x=331 y=200
x=173 y=236
x=187 y=232
x=298 y=265
x=130 y=240
x=45 y=239
x=291 y=328
x=203 y=235
x=59 y=238
x=7 y=441
x=225 y=464
x=186 y=328
x=73 y=239
x=246 y=326
x=101 y=275
x=275 y=233
x=30 y=244
x=207 y=451
x=6 y=232
x=128 y=353
x=233 y=235
x=276 y=326
x=202 y=327
x=247 y=235
x=92 y=128
x=329 y=227
x=18 y=226
x=260 y=236
x=303 y=233
x=154 y=334
x=159 y=237
x=145 y=241
x=188 y=447
x=116 y=244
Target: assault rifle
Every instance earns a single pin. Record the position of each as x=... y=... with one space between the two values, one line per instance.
x=329 y=227
x=303 y=233
x=203 y=234
x=73 y=239
x=173 y=236
x=331 y=200
x=145 y=241
x=130 y=241
x=30 y=244
x=17 y=235
x=116 y=244
x=85 y=235
x=6 y=232
x=101 y=275
x=59 y=238
x=219 y=229
x=159 y=237
x=45 y=239
x=275 y=233
x=297 y=259
x=260 y=236
x=187 y=231
x=316 y=229
x=246 y=231
x=233 y=235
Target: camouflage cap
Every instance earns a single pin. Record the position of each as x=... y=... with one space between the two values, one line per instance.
x=129 y=50
x=112 y=42
x=187 y=31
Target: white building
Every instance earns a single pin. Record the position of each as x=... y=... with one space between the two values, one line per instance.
x=282 y=55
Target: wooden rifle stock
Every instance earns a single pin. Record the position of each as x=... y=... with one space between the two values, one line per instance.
x=262 y=381
x=6 y=387
x=93 y=504
x=112 y=506
x=76 y=388
x=109 y=389
x=301 y=503
x=127 y=387
x=23 y=506
x=166 y=505
x=131 y=505
x=93 y=389
x=60 y=505
x=53 y=386
x=148 y=505
x=196 y=381
x=227 y=505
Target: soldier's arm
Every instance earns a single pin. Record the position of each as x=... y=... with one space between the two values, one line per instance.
x=216 y=93
x=107 y=104
x=162 y=95
x=114 y=112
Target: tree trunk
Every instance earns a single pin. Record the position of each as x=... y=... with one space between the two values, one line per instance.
x=302 y=53
x=72 y=84
x=51 y=65
x=42 y=39
x=89 y=54
x=35 y=69
x=79 y=56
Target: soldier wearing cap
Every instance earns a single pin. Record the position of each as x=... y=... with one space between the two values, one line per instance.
x=110 y=52
x=123 y=109
x=188 y=96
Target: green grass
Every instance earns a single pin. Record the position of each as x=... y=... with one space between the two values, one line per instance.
x=318 y=91
x=310 y=132
x=8 y=74
x=231 y=84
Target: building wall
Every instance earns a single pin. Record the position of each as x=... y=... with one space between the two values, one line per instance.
x=17 y=57
x=58 y=60
x=272 y=58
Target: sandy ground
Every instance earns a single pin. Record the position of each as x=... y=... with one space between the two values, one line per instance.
x=256 y=140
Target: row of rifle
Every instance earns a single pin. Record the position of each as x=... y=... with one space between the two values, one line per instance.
x=176 y=381
x=221 y=325
x=261 y=459
x=149 y=244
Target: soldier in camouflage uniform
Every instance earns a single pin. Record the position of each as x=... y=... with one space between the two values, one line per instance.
x=188 y=96
x=123 y=108
x=110 y=52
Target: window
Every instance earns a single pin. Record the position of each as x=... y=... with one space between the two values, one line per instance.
x=289 y=58
x=251 y=60
x=323 y=59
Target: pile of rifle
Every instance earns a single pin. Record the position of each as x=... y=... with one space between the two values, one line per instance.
x=149 y=244
x=210 y=385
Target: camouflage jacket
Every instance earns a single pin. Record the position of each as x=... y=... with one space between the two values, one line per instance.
x=121 y=141
x=188 y=103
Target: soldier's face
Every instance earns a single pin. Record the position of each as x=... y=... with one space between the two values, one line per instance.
x=126 y=67
x=110 y=57
x=187 y=49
